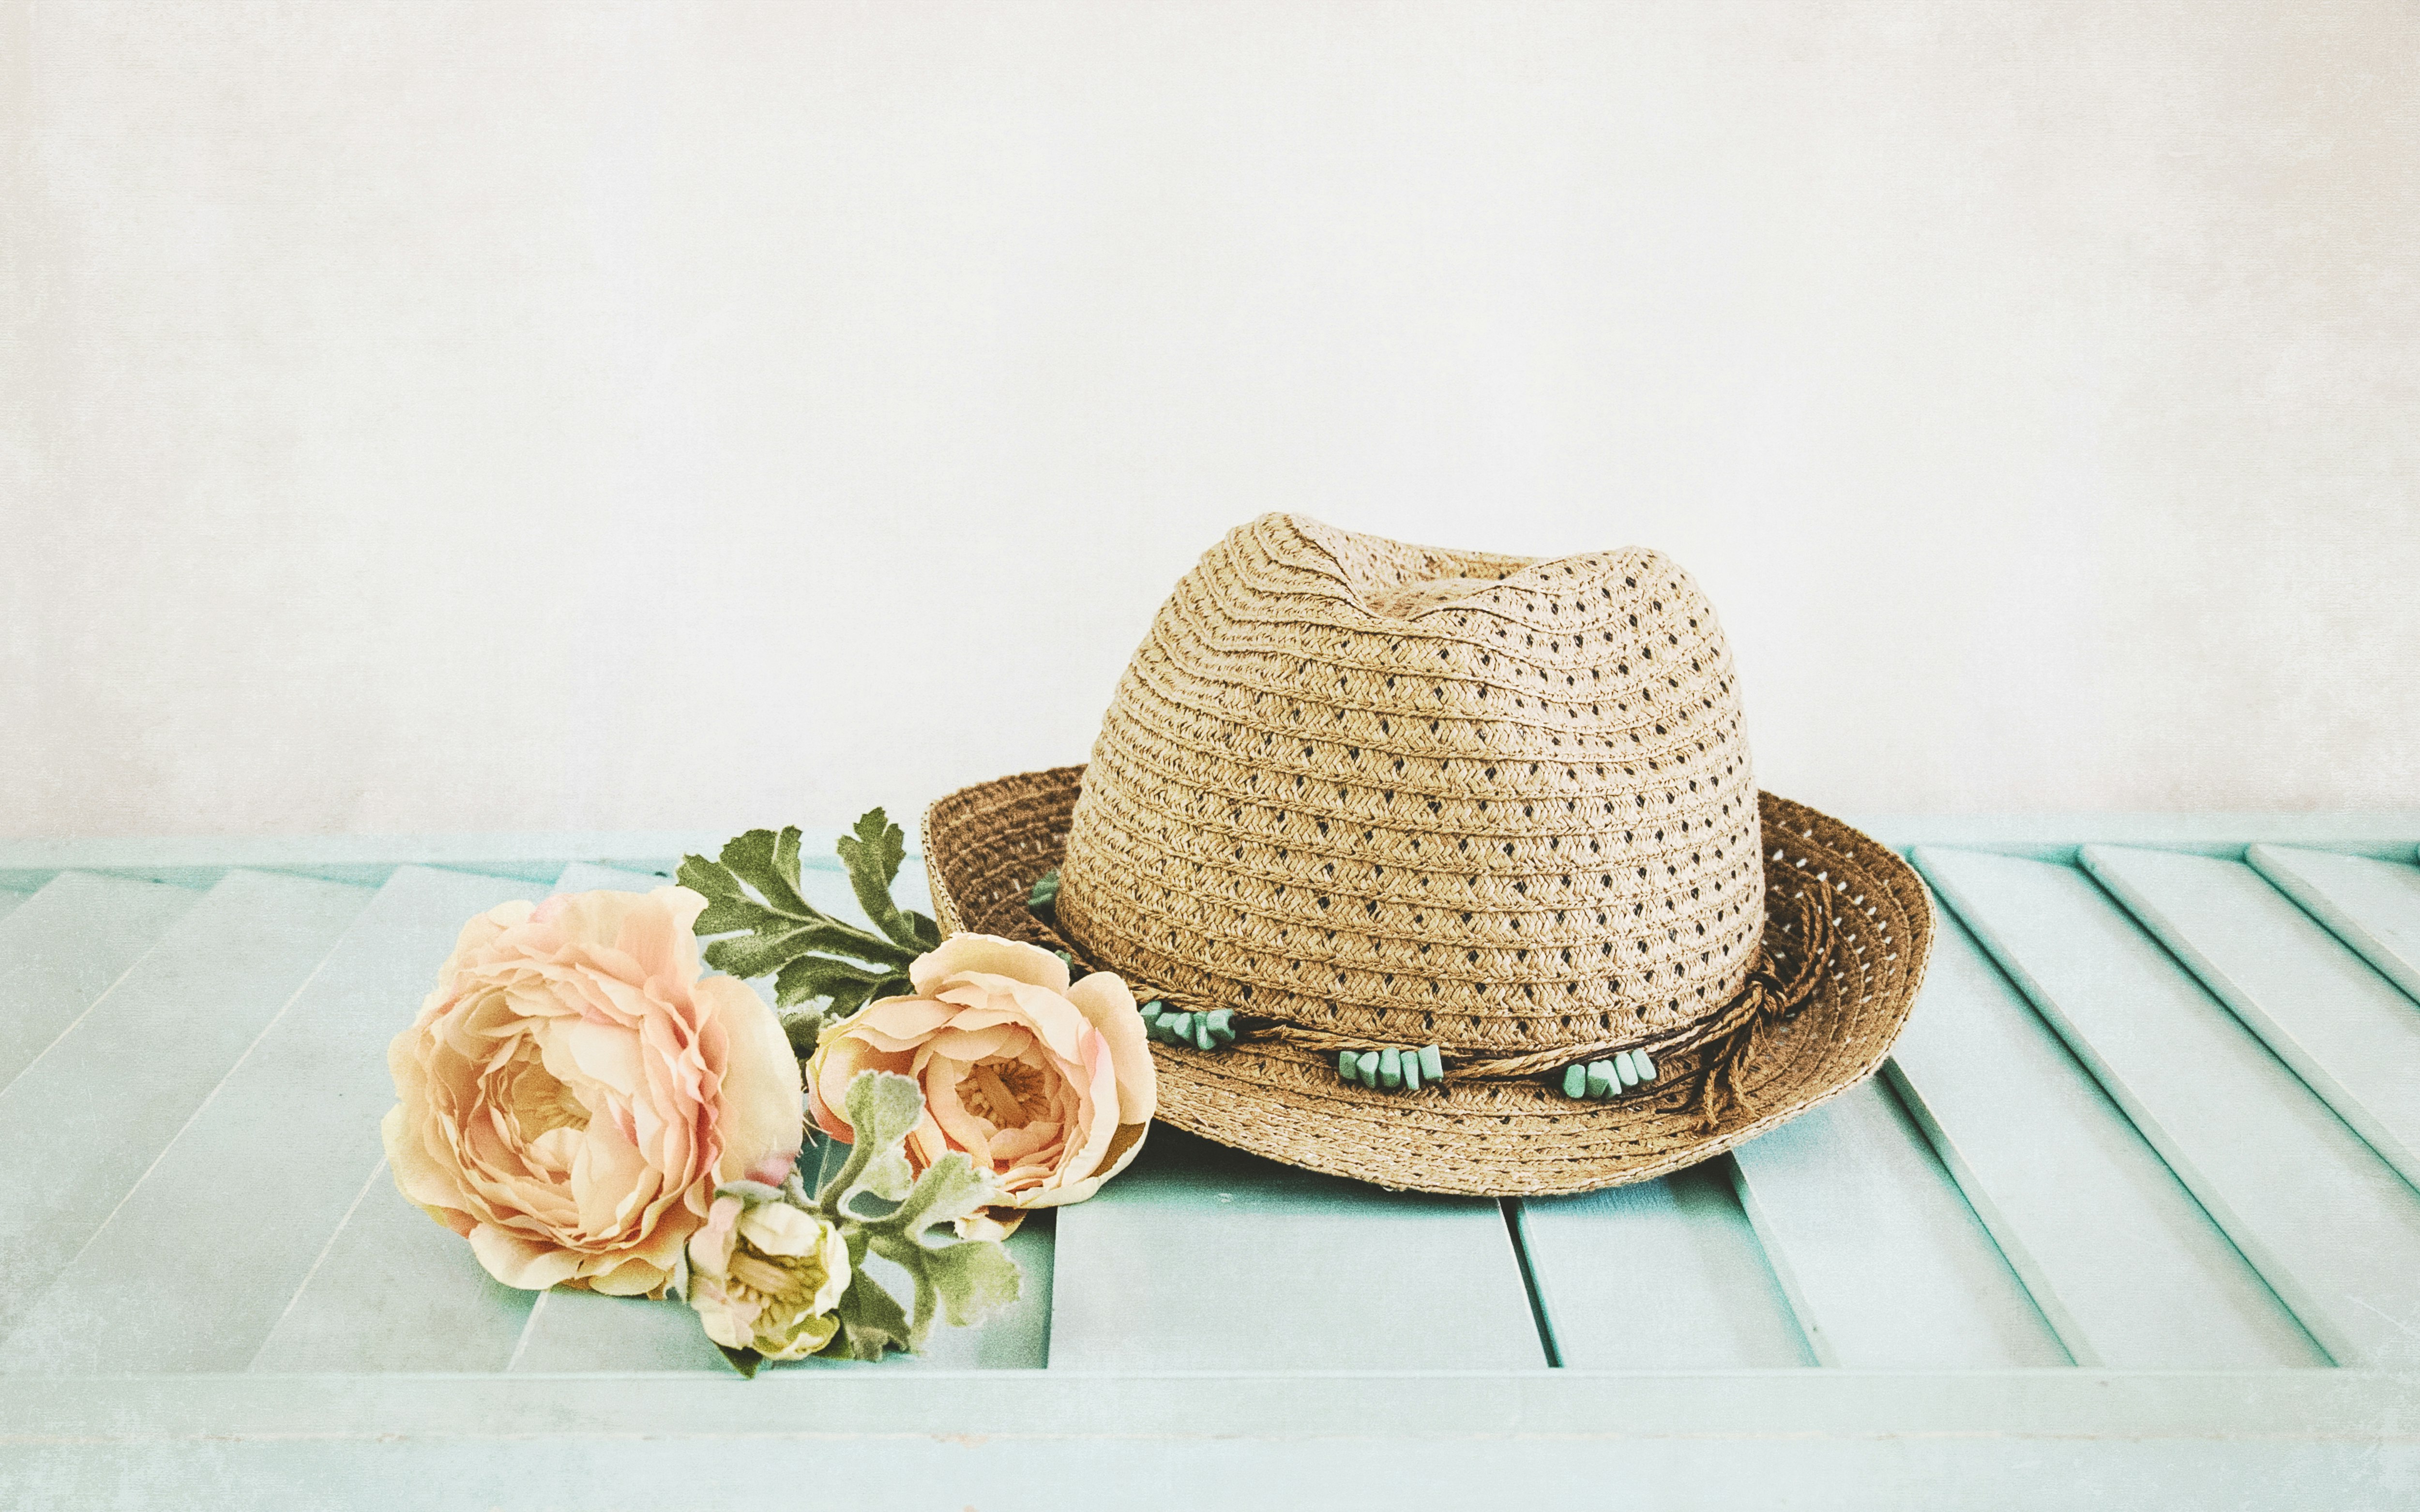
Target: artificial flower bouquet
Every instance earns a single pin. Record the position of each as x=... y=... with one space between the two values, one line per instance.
x=589 y=1109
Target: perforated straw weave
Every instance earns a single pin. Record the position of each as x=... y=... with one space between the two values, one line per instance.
x=1369 y=793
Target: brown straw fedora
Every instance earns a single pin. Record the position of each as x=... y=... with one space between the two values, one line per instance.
x=1401 y=837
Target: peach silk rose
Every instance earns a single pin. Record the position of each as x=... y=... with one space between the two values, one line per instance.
x=1046 y=1086
x=572 y=1093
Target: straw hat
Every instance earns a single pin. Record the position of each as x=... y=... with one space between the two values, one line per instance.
x=1364 y=796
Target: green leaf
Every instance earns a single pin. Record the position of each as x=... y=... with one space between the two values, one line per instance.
x=964 y=1282
x=887 y=1177
x=974 y=1278
x=805 y=1029
x=749 y=1192
x=872 y=853
x=743 y=1361
x=880 y=1107
x=964 y=1287
x=770 y=929
x=773 y=943
x=848 y=987
x=871 y=1319
x=949 y=1189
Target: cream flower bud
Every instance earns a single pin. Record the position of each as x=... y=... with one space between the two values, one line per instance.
x=768 y=1277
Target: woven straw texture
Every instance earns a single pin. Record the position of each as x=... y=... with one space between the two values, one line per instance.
x=984 y=846
x=1411 y=796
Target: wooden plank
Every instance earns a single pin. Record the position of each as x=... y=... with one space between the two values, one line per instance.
x=368 y=860
x=63 y=947
x=390 y=1289
x=264 y=1173
x=1886 y=1265
x=396 y=1291
x=2055 y=836
x=1815 y=1439
x=2372 y=905
x=2118 y=1255
x=579 y=1332
x=79 y=1126
x=2331 y=1227
x=2351 y=1035
x=1662 y=1275
x=1199 y=1257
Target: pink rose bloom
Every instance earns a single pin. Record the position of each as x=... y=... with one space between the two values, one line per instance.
x=572 y=1093
x=1046 y=1086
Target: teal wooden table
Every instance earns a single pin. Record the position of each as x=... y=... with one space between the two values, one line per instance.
x=2130 y=1215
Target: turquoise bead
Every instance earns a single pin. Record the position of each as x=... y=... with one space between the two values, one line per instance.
x=1202 y=1039
x=1574 y=1081
x=1222 y=1025
x=1601 y=1081
x=1367 y=1065
x=1629 y=1072
x=1390 y=1070
x=1432 y=1064
x=1411 y=1070
x=1347 y=1068
x=1646 y=1067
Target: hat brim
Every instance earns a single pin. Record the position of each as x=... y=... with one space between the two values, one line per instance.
x=986 y=846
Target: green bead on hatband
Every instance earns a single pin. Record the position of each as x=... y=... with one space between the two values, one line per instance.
x=1391 y=1068
x=1601 y=1080
x=1214 y=1029
x=1044 y=900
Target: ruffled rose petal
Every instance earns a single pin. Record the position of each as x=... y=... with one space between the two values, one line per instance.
x=1109 y=1005
x=987 y=954
x=571 y=1094
x=1068 y=1069
x=760 y=1087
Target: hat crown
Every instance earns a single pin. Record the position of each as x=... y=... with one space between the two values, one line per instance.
x=1425 y=795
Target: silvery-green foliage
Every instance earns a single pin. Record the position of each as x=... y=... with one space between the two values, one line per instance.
x=964 y=1280
x=881 y=1209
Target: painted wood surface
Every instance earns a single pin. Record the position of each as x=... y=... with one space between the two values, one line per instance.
x=2019 y=1126
x=81 y=1125
x=2123 y=1262
x=2331 y=1227
x=1204 y=1259
x=370 y=1285
x=1662 y=1275
x=64 y=946
x=1884 y=1262
x=2372 y=905
x=2349 y=1032
x=394 y=1291
x=1834 y=1441
x=299 y=1116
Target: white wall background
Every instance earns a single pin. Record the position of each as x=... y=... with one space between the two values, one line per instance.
x=515 y=415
